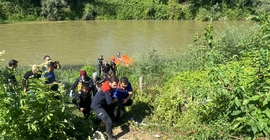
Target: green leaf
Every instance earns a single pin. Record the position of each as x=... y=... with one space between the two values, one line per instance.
x=260 y=126
x=243 y=89
x=195 y=127
x=236 y=112
x=245 y=102
x=237 y=101
x=267 y=112
x=255 y=98
x=265 y=102
x=268 y=98
x=254 y=129
x=207 y=134
x=268 y=35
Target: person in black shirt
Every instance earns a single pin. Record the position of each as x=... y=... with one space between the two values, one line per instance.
x=12 y=82
x=11 y=77
x=83 y=79
x=32 y=74
x=110 y=74
x=97 y=81
x=113 y=65
x=84 y=97
x=99 y=64
x=106 y=68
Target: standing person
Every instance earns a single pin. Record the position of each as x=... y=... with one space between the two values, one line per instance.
x=119 y=58
x=103 y=100
x=51 y=77
x=10 y=73
x=125 y=87
x=97 y=81
x=113 y=65
x=32 y=74
x=84 y=97
x=47 y=59
x=82 y=79
x=99 y=64
x=106 y=68
x=11 y=81
x=110 y=74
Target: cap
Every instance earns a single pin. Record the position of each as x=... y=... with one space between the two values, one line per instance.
x=95 y=74
x=83 y=72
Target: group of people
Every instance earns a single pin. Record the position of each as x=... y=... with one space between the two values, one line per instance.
x=110 y=95
x=105 y=68
x=106 y=96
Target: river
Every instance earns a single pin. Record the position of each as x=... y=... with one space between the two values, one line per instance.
x=76 y=43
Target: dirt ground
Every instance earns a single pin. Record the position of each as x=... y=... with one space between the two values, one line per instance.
x=130 y=132
x=125 y=132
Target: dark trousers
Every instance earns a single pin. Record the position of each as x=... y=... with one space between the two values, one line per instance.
x=105 y=75
x=86 y=112
x=103 y=115
x=118 y=106
x=99 y=70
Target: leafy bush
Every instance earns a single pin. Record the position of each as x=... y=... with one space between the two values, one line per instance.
x=50 y=8
x=89 y=12
x=233 y=35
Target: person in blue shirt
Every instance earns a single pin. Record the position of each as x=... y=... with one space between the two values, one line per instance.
x=122 y=94
x=51 y=77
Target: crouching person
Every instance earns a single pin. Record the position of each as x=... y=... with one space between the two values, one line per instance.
x=102 y=102
x=122 y=94
x=84 y=97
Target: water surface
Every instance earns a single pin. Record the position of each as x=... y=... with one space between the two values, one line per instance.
x=78 y=42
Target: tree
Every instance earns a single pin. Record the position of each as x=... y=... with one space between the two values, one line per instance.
x=50 y=8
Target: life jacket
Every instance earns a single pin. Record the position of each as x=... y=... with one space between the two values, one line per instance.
x=81 y=82
x=106 y=87
x=119 y=87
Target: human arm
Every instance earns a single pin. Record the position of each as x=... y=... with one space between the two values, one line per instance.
x=24 y=85
x=57 y=64
x=108 y=97
x=129 y=96
x=93 y=87
x=75 y=99
x=74 y=84
x=130 y=93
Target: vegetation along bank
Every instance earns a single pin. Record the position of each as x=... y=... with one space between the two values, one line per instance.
x=17 y=10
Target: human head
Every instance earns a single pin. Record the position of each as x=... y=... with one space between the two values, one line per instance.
x=51 y=66
x=34 y=68
x=85 y=87
x=118 y=54
x=113 y=59
x=110 y=73
x=105 y=62
x=94 y=75
x=101 y=56
x=13 y=64
x=113 y=81
x=47 y=58
x=83 y=74
x=124 y=82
